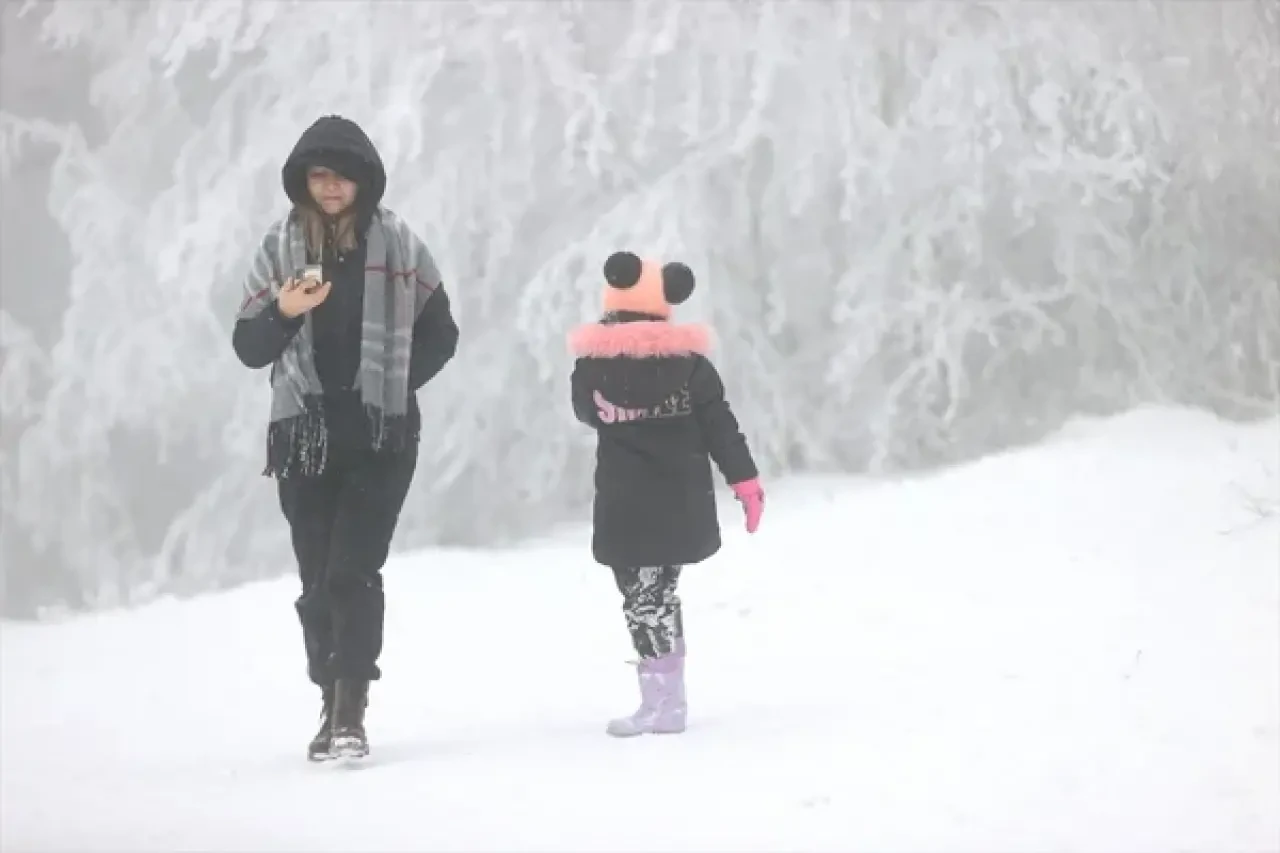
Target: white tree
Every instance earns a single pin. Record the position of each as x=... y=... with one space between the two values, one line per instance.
x=922 y=230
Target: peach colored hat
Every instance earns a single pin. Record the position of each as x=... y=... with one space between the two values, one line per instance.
x=644 y=286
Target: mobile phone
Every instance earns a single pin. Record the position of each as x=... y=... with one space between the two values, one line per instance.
x=314 y=275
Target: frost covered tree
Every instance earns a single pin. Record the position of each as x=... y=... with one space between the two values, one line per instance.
x=922 y=230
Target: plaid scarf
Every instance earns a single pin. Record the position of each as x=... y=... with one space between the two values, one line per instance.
x=400 y=275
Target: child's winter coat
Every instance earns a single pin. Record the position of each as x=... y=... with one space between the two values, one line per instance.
x=659 y=410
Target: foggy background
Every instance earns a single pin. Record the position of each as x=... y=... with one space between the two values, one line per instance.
x=923 y=231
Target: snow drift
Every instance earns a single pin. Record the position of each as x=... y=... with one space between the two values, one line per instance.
x=1072 y=647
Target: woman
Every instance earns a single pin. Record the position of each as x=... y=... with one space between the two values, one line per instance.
x=345 y=303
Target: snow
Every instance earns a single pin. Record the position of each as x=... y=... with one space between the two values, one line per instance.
x=1072 y=647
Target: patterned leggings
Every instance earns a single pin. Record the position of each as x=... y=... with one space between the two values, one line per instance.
x=651 y=608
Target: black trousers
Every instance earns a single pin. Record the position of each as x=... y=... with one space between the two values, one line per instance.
x=342 y=522
x=652 y=608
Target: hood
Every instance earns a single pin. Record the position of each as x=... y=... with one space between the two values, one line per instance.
x=339 y=144
x=643 y=365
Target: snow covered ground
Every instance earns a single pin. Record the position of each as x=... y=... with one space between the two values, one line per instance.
x=1074 y=647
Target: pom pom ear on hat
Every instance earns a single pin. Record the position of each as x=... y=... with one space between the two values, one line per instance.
x=623 y=269
x=677 y=282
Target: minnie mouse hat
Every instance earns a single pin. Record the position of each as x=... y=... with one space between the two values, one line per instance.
x=645 y=287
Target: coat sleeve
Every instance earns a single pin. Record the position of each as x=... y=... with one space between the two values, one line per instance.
x=725 y=441
x=584 y=409
x=261 y=332
x=261 y=339
x=435 y=333
x=435 y=339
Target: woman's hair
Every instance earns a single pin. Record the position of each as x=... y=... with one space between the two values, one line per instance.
x=345 y=233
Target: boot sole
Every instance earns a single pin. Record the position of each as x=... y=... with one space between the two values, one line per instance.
x=642 y=732
x=348 y=748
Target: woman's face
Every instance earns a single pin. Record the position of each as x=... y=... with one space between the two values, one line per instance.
x=332 y=193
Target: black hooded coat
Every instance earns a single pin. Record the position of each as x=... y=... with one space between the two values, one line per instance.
x=341 y=145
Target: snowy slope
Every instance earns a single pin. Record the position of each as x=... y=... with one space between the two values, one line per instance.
x=1069 y=648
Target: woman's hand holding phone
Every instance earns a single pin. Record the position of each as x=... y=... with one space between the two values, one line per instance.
x=300 y=295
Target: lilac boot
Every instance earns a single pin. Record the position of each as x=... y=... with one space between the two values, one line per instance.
x=663 y=707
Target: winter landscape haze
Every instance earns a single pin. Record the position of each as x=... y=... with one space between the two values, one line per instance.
x=996 y=289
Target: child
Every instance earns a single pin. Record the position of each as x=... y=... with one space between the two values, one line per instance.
x=659 y=411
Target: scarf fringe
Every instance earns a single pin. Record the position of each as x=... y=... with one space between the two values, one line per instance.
x=388 y=432
x=300 y=445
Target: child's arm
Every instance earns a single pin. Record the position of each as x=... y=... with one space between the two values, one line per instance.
x=725 y=441
x=584 y=408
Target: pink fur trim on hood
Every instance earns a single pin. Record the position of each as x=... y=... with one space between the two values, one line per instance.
x=642 y=339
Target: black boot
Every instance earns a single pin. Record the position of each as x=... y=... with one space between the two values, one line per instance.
x=322 y=743
x=350 y=700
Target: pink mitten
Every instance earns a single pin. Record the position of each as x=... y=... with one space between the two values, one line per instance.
x=752 y=497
